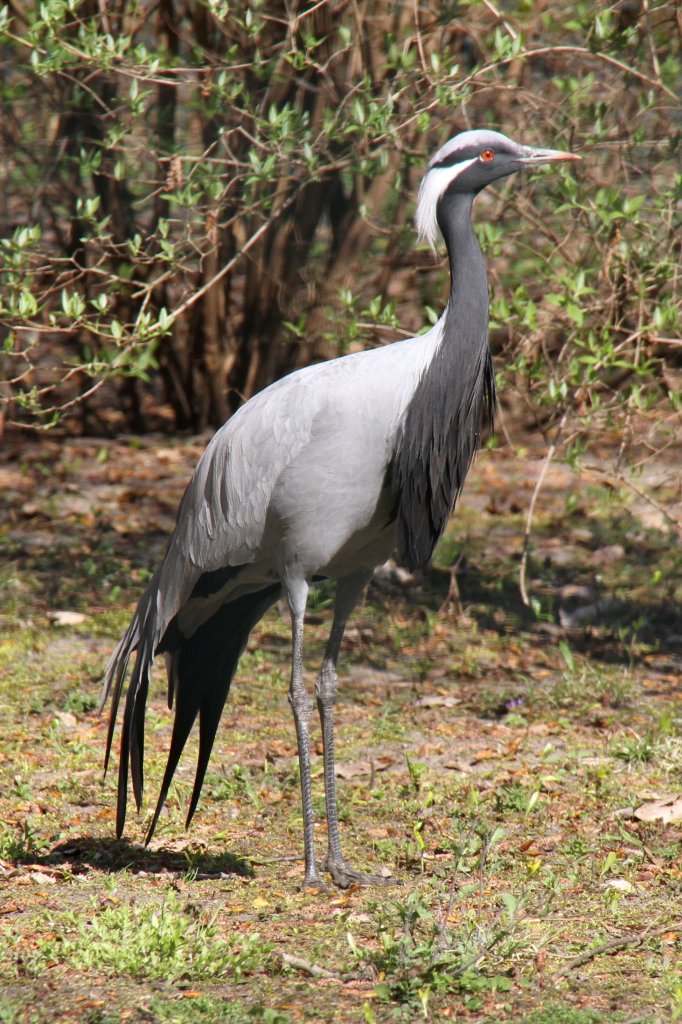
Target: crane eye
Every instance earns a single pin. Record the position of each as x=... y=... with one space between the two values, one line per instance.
x=487 y=155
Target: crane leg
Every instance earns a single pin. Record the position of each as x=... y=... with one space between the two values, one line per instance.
x=302 y=707
x=347 y=595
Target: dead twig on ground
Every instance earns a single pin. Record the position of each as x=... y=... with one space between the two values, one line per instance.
x=299 y=964
x=612 y=946
x=531 y=510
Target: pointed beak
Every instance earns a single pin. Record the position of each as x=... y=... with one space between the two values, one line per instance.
x=531 y=157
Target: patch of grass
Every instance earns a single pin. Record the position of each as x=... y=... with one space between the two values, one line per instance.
x=237 y=786
x=205 y=1010
x=516 y=798
x=563 y=1014
x=19 y=844
x=9 y=1011
x=80 y=701
x=420 y=958
x=160 y=940
x=584 y=683
x=635 y=749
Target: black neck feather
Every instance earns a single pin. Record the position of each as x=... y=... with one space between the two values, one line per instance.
x=454 y=399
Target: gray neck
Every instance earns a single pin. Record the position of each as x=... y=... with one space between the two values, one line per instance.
x=453 y=401
x=467 y=312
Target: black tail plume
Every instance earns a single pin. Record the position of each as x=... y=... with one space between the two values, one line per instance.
x=201 y=668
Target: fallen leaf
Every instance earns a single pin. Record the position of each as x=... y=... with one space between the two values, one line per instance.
x=351 y=769
x=436 y=701
x=669 y=809
x=621 y=884
x=67 y=719
x=484 y=755
x=66 y=618
x=41 y=878
x=607 y=555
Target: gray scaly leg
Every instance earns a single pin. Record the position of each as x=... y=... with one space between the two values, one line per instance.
x=347 y=595
x=302 y=707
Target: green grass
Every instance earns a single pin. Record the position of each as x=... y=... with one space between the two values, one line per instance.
x=162 y=940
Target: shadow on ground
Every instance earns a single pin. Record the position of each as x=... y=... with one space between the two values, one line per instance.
x=114 y=855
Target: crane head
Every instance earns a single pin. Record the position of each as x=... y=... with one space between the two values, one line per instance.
x=466 y=164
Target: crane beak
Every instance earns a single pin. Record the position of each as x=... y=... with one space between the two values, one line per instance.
x=531 y=157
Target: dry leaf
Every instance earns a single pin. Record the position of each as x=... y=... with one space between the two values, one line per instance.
x=351 y=769
x=66 y=618
x=669 y=809
x=436 y=701
x=484 y=755
x=41 y=878
x=621 y=884
x=67 y=719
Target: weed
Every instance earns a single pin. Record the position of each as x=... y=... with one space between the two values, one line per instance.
x=515 y=798
x=563 y=1014
x=635 y=749
x=238 y=786
x=99 y=1016
x=416 y=770
x=9 y=1012
x=205 y=1010
x=576 y=847
x=19 y=845
x=582 y=683
x=157 y=941
x=390 y=725
x=79 y=702
x=672 y=980
x=421 y=955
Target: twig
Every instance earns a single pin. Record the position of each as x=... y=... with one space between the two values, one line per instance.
x=200 y=292
x=493 y=10
x=453 y=597
x=621 y=479
x=620 y=942
x=442 y=923
x=531 y=510
x=304 y=965
x=260 y=861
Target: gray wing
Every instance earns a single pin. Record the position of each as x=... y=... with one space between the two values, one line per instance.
x=222 y=514
x=220 y=523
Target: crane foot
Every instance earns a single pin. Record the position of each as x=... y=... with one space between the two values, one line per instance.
x=345 y=876
x=313 y=881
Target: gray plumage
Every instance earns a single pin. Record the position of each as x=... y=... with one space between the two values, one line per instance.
x=321 y=475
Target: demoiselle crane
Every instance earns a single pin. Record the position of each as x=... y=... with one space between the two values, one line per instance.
x=320 y=476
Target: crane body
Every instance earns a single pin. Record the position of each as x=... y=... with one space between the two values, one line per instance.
x=320 y=476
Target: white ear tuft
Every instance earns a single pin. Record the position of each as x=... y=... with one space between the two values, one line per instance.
x=430 y=192
x=434 y=184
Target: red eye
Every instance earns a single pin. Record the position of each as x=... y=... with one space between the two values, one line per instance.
x=487 y=155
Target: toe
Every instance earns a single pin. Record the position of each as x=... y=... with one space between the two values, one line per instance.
x=345 y=876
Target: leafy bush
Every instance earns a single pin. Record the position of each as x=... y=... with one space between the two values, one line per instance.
x=201 y=197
